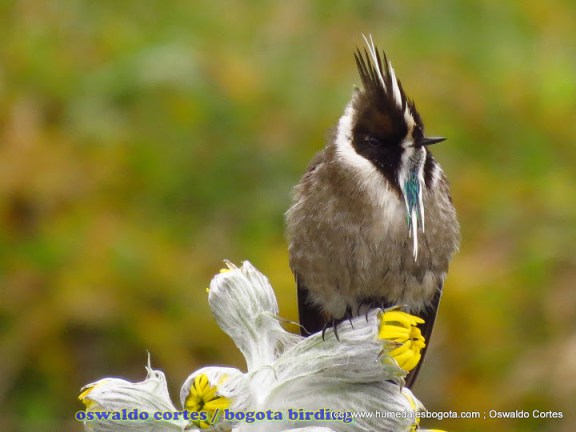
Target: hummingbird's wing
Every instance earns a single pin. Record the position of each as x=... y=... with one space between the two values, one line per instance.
x=312 y=319
x=429 y=316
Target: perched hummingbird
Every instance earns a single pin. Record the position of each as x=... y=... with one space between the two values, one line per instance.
x=372 y=222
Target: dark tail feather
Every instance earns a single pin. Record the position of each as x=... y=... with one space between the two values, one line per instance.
x=311 y=317
x=429 y=316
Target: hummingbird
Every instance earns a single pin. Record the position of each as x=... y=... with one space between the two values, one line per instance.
x=372 y=223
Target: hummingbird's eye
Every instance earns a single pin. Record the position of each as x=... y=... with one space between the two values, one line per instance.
x=418 y=133
x=372 y=141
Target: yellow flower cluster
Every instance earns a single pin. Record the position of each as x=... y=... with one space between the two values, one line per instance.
x=204 y=397
x=401 y=331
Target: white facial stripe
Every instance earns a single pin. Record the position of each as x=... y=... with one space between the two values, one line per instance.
x=344 y=147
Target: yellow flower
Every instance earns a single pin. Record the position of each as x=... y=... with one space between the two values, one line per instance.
x=89 y=403
x=405 y=341
x=414 y=406
x=222 y=270
x=204 y=397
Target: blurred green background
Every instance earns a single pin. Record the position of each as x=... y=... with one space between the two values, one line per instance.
x=142 y=142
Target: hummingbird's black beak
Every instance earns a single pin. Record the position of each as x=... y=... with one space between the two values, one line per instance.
x=426 y=141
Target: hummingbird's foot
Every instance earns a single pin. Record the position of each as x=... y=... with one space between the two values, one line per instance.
x=348 y=315
x=330 y=324
x=371 y=304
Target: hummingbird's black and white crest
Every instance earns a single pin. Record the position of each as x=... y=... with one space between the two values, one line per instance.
x=372 y=222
